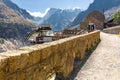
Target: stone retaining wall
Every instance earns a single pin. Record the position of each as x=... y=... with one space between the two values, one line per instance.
x=37 y=61
x=112 y=30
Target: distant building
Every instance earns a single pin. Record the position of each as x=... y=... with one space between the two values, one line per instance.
x=95 y=17
x=44 y=34
x=41 y=34
x=73 y=32
x=45 y=26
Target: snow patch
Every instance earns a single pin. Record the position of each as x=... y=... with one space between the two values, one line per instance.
x=38 y=13
x=75 y=8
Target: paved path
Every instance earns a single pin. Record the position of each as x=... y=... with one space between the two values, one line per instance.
x=104 y=62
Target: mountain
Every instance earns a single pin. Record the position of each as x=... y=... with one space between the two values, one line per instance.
x=12 y=25
x=59 y=18
x=109 y=13
x=21 y=12
x=13 y=28
x=10 y=44
x=100 y=5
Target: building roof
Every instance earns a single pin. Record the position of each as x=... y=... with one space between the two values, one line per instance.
x=44 y=27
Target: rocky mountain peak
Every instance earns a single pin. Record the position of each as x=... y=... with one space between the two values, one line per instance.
x=21 y=12
x=8 y=15
x=12 y=25
x=59 y=18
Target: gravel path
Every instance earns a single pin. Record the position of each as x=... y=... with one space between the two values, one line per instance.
x=104 y=62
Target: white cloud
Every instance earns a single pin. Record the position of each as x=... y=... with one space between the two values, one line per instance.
x=39 y=14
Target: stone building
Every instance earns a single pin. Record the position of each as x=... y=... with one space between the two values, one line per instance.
x=73 y=32
x=95 y=17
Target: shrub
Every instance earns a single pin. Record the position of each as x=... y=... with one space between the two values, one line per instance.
x=117 y=17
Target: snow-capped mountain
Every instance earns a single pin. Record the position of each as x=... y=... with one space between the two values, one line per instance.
x=59 y=18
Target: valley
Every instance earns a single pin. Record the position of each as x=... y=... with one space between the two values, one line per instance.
x=16 y=23
x=59 y=39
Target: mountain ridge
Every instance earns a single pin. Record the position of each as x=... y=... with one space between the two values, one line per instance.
x=21 y=12
x=110 y=13
x=100 y=5
x=13 y=27
x=59 y=18
x=11 y=24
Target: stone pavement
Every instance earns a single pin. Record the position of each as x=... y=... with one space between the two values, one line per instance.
x=104 y=62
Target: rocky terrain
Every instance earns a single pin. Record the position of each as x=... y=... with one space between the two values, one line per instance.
x=10 y=44
x=21 y=12
x=12 y=25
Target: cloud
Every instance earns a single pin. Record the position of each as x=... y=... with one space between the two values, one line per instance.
x=38 y=13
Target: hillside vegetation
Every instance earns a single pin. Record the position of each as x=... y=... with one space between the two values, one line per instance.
x=117 y=17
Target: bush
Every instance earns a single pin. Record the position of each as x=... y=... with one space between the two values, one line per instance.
x=117 y=17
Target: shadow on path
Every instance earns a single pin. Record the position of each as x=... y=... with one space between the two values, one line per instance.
x=77 y=67
x=78 y=64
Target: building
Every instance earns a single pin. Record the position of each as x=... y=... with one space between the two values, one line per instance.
x=95 y=17
x=41 y=34
x=73 y=32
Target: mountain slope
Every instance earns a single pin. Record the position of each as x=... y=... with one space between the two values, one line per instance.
x=21 y=12
x=109 y=13
x=13 y=28
x=11 y=24
x=99 y=5
x=60 y=18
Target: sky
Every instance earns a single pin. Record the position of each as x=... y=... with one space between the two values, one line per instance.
x=42 y=6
